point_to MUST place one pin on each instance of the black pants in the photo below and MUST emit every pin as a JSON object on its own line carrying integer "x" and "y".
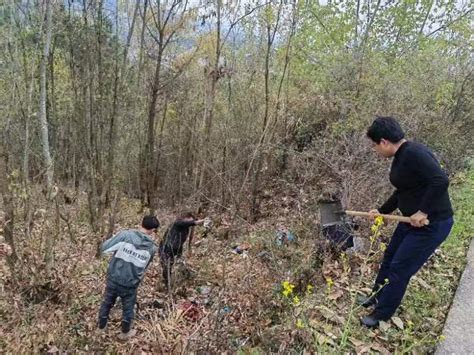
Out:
{"x": 406, "y": 253}
{"x": 128, "y": 295}
{"x": 167, "y": 262}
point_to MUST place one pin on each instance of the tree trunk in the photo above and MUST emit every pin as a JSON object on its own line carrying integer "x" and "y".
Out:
{"x": 50, "y": 239}
{"x": 150, "y": 145}
{"x": 254, "y": 206}
{"x": 210, "y": 95}
{"x": 142, "y": 155}
{"x": 8, "y": 206}
{"x": 160, "y": 143}
{"x": 43, "y": 98}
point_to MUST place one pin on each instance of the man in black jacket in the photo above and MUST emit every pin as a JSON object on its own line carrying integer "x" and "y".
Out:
{"x": 172, "y": 244}
{"x": 421, "y": 192}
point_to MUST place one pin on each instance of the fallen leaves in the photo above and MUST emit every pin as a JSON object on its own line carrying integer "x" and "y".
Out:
{"x": 380, "y": 349}
{"x": 384, "y": 326}
{"x": 234, "y": 299}
{"x": 335, "y": 295}
{"x": 52, "y": 349}
{"x": 398, "y": 322}
{"x": 356, "y": 342}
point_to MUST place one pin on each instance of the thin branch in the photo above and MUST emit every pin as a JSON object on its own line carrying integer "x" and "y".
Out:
{"x": 233, "y": 24}
{"x": 323, "y": 25}
{"x": 449, "y": 23}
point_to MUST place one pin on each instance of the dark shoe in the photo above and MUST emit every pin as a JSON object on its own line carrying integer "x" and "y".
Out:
{"x": 365, "y": 301}
{"x": 102, "y": 323}
{"x": 370, "y": 321}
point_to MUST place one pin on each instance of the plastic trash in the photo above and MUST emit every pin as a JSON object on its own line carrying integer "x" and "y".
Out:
{"x": 290, "y": 236}
{"x": 241, "y": 249}
{"x": 207, "y": 223}
{"x": 204, "y": 290}
{"x": 237, "y": 250}
{"x": 284, "y": 236}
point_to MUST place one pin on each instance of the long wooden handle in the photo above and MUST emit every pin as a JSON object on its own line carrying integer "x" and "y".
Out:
{"x": 385, "y": 216}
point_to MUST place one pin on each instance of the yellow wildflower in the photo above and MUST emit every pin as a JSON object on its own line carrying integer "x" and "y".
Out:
{"x": 378, "y": 221}
{"x": 299, "y": 324}
{"x": 296, "y": 301}
{"x": 287, "y": 288}
{"x": 309, "y": 289}
{"x": 377, "y": 225}
{"x": 329, "y": 283}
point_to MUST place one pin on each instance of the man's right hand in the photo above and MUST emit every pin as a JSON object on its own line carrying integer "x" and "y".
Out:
{"x": 374, "y": 213}
{"x": 199, "y": 221}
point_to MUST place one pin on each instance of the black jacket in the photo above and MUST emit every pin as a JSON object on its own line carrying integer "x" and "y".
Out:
{"x": 175, "y": 237}
{"x": 421, "y": 184}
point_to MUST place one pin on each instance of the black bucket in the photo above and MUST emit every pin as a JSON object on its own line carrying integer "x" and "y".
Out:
{"x": 335, "y": 226}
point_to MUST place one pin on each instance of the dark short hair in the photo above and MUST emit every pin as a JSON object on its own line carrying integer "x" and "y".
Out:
{"x": 150, "y": 222}
{"x": 385, "y": 128}
{"x": 186, "y": 214}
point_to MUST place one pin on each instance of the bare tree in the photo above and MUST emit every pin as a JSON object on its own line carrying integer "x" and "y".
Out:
{"x": 7, "y": 197}
{"x": 167, "y": 21}
{"x": 271, "y": 30}
{"x": 48, "y": 161}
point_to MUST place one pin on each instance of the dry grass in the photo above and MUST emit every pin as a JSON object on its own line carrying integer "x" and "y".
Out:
{"x": 238, "y": 300}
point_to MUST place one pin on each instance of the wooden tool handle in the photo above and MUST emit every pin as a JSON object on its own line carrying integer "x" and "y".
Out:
{"x": 385, "y": 216}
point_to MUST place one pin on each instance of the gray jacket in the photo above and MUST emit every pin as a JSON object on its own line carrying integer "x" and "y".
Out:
{"x": 133, "y": 251}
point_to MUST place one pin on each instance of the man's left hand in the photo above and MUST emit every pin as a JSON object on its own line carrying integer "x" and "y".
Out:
{"x": 418, "y": 219}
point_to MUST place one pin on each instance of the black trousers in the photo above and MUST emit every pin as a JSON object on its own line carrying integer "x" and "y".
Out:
{"x": 167, "y": 261}
{"x": 406, "y": 253}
